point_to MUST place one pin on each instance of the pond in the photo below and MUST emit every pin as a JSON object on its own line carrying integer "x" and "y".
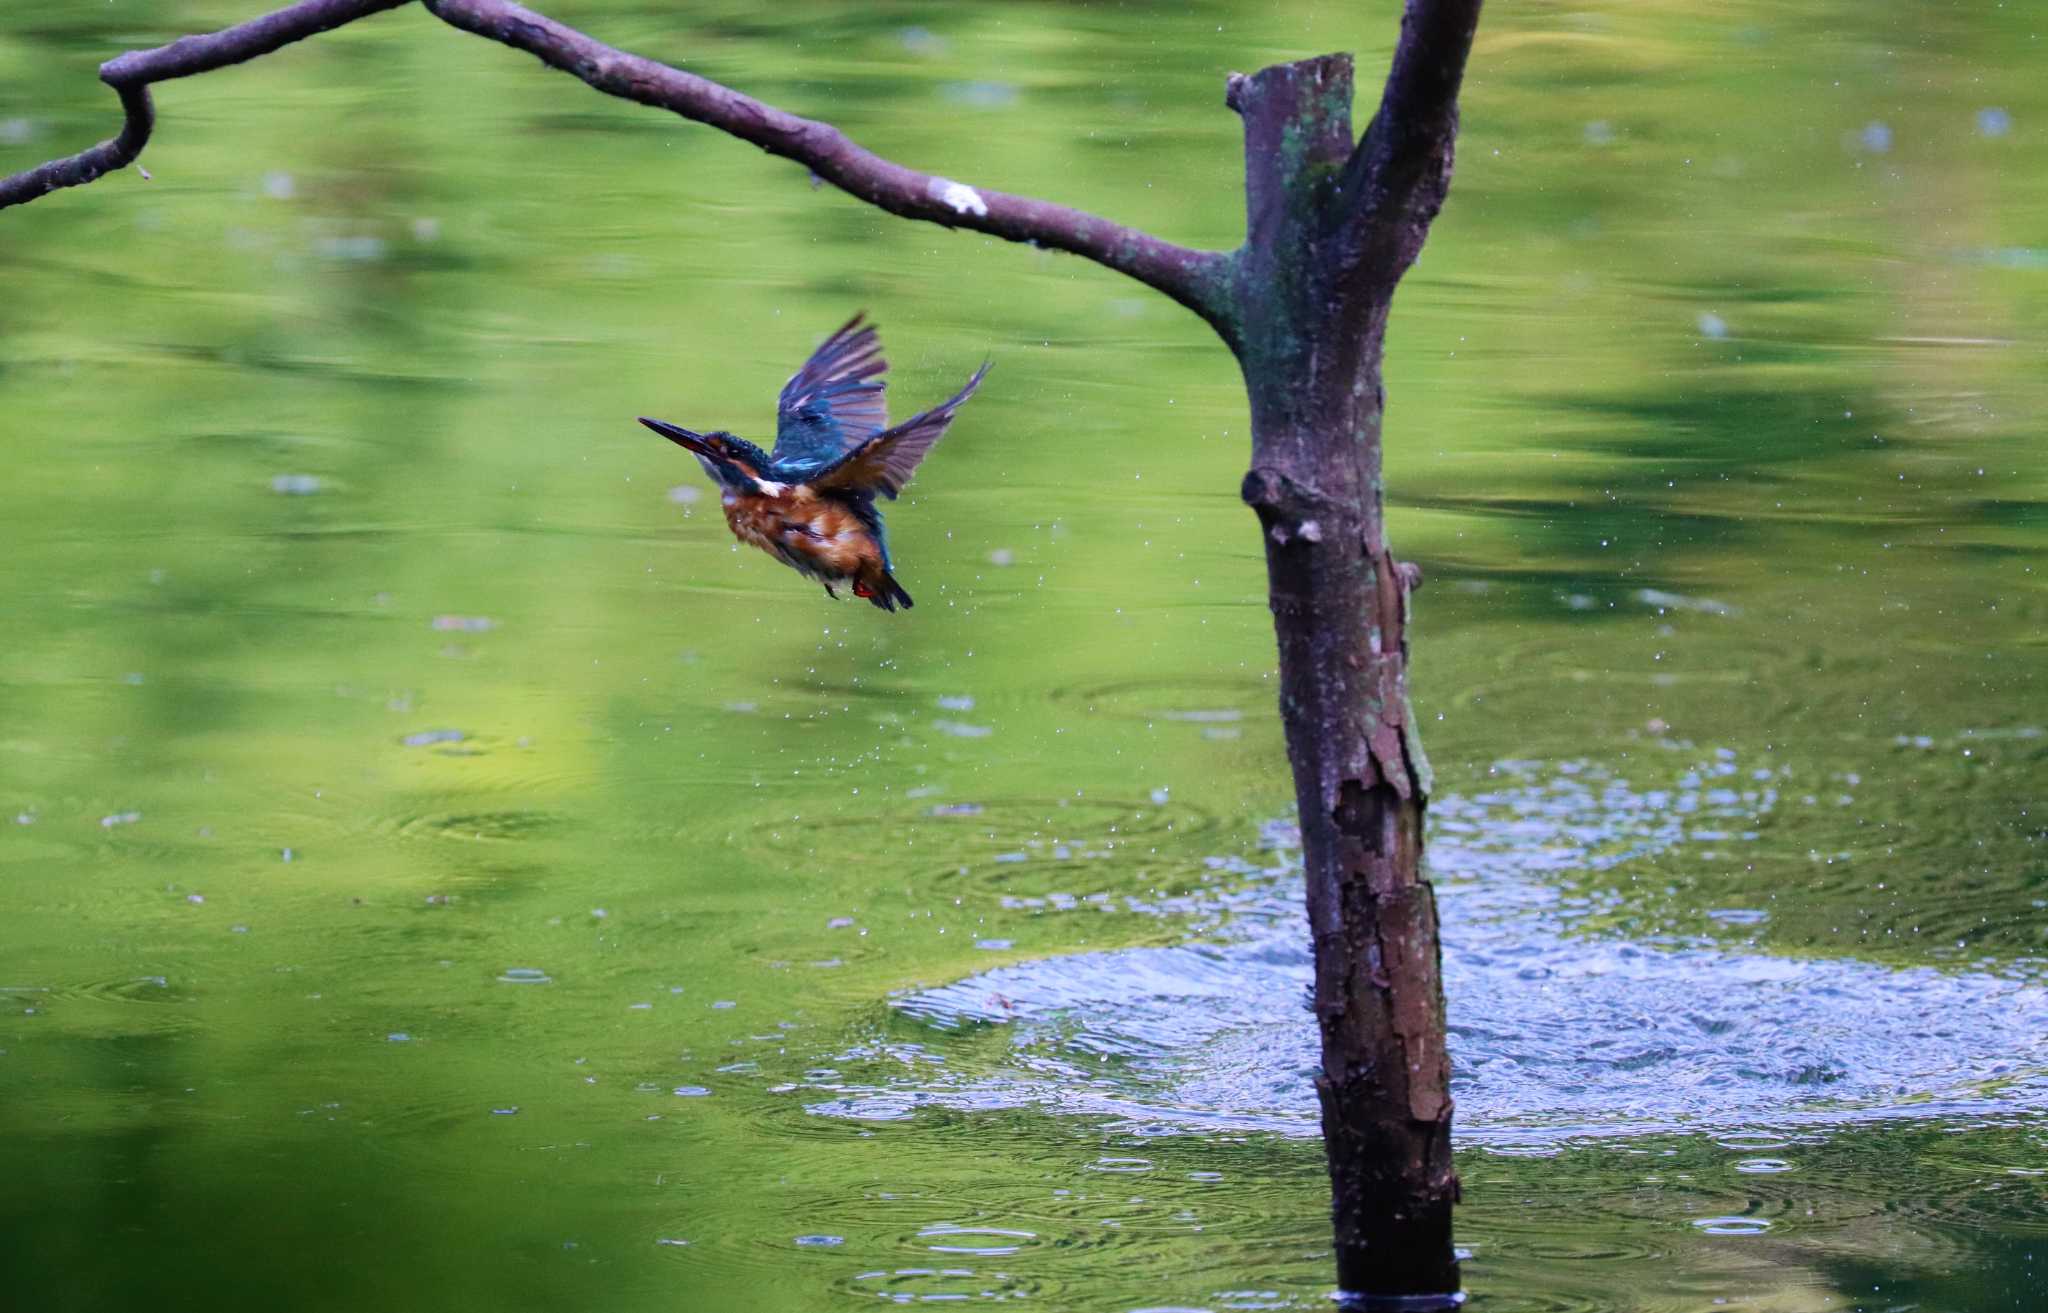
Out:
{"x": 438, "y": 869}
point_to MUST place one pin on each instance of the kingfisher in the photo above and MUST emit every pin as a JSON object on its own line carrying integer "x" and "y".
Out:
{"x": 811, "y": 502}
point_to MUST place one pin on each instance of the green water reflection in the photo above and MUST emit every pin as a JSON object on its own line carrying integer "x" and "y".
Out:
{"x": 363, "y": 656}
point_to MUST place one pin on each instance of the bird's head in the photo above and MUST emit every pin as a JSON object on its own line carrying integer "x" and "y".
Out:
{"x": 733, "y": 463}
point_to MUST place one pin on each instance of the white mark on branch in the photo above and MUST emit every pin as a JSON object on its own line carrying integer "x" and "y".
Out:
{"x": 958, "y": 196}
{"x": 1312, "y": 531}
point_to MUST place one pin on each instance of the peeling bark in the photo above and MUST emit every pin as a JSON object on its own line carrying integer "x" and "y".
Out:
{"x": 1312, "y": 297}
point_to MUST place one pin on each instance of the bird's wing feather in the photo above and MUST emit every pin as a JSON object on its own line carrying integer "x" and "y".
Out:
{"x": 835, "y": 401}
{"x": 885, "y": 462}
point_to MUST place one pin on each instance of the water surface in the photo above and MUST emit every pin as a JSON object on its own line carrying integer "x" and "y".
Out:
{"x": 438, "y": 870}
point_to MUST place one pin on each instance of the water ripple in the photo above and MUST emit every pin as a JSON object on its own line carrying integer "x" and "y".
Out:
{"x": 1555, "y": 1036}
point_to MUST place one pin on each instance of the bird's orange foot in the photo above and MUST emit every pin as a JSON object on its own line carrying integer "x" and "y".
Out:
{"x": 862, "y": 590}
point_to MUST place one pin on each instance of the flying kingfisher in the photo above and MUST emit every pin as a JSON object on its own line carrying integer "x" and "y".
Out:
{"x": 811, "y": 504}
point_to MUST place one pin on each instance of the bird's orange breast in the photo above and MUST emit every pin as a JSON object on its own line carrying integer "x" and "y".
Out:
{"x": 797, "y": 522}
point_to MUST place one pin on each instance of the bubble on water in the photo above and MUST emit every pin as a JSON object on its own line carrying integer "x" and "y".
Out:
{"x": 1599, "y": 133}
{"x": 820, "y": 1241}
{"x": 685, "y": 494}
{"x": 993, "y": 945}
{"x": 428, "y": 737}
{"x": 1211, "y": 716}
{"x": 1762, "y": 1166}
{"x": 295, "y": 485}
{"x": 358, "y": 248}
{"x": 981, "y": 94}
{"x": 671, "y": 1240}
{"x": 956, "y": 702}
{"x": 464, "y": 624}
{"x": 1002, "y": 556}
{"x": 1993, "y": 122}
{"x": 279, "y": 185}
{"x": 525, "y": 976}
{"x": 109, "y": 821}
{"x": 922, "y": 41}
{"x": 17, "y": 131}
{"x": 1121, "y": 1166}
{"x": 1732, "y": 1225}
{"x": 981, "y": 1241}
{"x": 1712, "y": 325}
{"x": 426, "y": 228}
{"x": 1667, "y": 601}
{"x": 398, "y": 1037}
{"x": 962, "y": 731}
{"x": 839, "y": 923}
{"x": 1876, "y": 137}
{"x": 510, "y": 1111}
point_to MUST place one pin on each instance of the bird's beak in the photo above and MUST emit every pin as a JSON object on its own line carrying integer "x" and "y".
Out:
{"x": 682, "y": 437}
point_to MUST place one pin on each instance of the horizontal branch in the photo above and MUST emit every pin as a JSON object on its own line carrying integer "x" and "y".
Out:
{"x": 1193, "y": 278}
{"x": 130, "y": 75}
{"x": 1196, "y": 279}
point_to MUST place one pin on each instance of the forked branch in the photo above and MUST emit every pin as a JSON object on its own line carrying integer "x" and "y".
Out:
{"x": 1196, "y": 279}
{"x": 1397, "y": 178}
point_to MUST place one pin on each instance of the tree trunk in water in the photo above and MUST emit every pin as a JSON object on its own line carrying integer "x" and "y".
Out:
{"x": 1307, "y": 331}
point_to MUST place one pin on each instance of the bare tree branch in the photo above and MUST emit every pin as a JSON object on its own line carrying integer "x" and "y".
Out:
{"x": 1196, "y": 279}
{"x": 1396, "y": 181}
{"x": 1193, "y": 278}
{"x": 130, "y": 75}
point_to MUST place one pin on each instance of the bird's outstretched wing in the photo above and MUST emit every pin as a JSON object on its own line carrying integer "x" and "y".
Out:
{"x": 834, "y": 402}
{"x": 885, "y": 462}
